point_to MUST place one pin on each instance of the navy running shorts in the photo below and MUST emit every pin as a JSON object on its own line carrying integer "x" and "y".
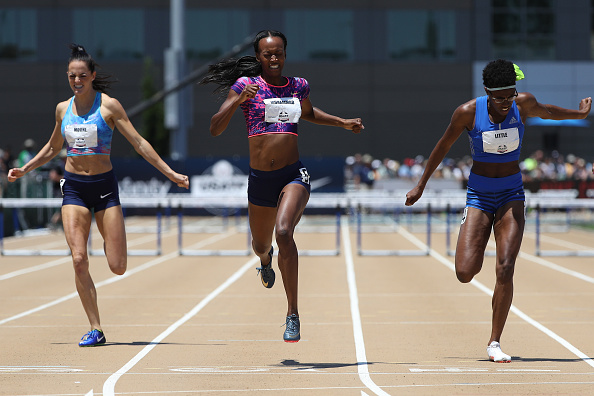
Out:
{"x": 264, "y": 187}
{"x": 491, "y": 193}
{"x": 97, "y": 192}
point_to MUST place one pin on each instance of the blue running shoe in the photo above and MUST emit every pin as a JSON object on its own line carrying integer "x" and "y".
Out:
{"x": 292, "y": 331}
{"x": 92, "y": 338}
{"x": 266, "y": 272}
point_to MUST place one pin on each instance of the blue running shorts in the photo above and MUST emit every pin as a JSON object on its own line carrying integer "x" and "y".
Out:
{"x": 264, "y": 187}
{"x": 491, "y": 193}
{"x": 97, "y": 192}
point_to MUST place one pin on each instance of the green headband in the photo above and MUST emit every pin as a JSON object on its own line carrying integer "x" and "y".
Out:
{"x": 519, "y": 76}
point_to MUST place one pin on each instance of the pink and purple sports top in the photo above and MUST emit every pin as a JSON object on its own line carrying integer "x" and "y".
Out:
{"x": 273, "y": 109}
{"x": 88, "y": 134}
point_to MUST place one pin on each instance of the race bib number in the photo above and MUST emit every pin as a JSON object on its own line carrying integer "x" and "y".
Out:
{"x": 81, "y": 135}
{"x": 501, "y": 141}
{"x": 285, "y": 110}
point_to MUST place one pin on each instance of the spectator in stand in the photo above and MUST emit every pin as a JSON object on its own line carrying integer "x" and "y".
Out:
{"x": 27, "y": 153}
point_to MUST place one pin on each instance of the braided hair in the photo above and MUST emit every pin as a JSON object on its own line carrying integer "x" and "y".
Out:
{"x": 225, "y": 72}
{"x": 102, "y": 82}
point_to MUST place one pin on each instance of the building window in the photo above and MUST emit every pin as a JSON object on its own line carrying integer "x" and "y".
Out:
{"x": 18, "y": 34}
{"x": 210, "y": 33}
{"x": 328, "y": 36}
{"x": 421, "y": 35}
{"x": 112, "y": 34}
{"x": 523, "y": 29}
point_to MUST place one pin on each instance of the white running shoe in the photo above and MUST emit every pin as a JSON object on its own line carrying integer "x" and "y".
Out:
{"x": 496, "y": 355}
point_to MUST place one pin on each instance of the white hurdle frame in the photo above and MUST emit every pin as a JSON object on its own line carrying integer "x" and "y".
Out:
{"x": 383, "y": 201}
{"x": 567, "y": 205}
{"x": 322, "y": 200}
{"x": 56, "y": 203}
{"x": 15, "y": 203}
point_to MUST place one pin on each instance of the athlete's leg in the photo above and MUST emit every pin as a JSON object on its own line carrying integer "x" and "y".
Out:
{"x": 77, "y": 224}
{"x": 261, "y": 220}
{"x": 110, "y": 223}
{"x": 472, "y": 241}
{"x": 508, "y": 228}
{"x": 291, "y": 204}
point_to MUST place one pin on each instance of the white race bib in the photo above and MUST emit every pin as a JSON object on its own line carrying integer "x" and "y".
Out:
{"x": 286, "y": 110}
{"x": 81, "y": 135}
{"x": 501, "y": 141}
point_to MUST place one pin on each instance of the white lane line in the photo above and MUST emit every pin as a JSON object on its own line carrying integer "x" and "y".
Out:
{"x": 513, "y": 308}
{"x": 109, "y": 385}
{"x": 114, "y": 279}
{"x": 36, "y": 268}
{"x": 68, "y": 259}
{"x": 553, "y": 266}
{"x": 362, "y": 366}
{"x": 556, "y": 267}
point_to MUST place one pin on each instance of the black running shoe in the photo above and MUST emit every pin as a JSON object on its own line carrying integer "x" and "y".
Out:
{"x": 292, "y": 331}
{"x": 266, "y": 272}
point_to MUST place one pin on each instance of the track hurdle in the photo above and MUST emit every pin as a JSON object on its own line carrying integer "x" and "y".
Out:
{"x": 558, "y": 253}
{"x": 137, "y": 252}
{"x": 16, "y": 203}
{"x": 212, "y": 202}
{"x": 400, "y": 252}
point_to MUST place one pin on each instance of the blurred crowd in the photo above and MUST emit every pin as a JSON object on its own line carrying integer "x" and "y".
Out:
{"x": 362, "y": 170}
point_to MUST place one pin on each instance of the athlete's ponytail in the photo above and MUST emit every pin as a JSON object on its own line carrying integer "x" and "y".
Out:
{"x": 225, "y": 72}
{"x": 102, "y": 82}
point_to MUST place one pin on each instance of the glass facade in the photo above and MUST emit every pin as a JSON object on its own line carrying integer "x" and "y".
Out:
{"x": 110, "y": 34}
{"x": 421, "y": 35}
{"x": 18, "y": 34}
{"x": 210, "y": 33}
{"x": 523, "y": 29}
{"x": 328, "y": 36}
{"x": 516, "y": 29}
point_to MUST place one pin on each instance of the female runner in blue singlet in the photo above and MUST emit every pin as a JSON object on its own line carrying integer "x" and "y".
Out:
{"x": 495, "y": 196}
{"x": 278, "y": 183}
{"x": 86, "y": 122}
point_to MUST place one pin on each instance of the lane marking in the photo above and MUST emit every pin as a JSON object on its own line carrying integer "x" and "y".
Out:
{"x": 362, "y": 366}
{"x": 513, "y": 308}
{"x": 68, "y": 259}
{"x": 551, "y": 265}
{"x": 109, "y": 385}
{"x": 114, "y": 279}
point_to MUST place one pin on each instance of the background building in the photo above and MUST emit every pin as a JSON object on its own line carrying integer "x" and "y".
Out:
{"x": 402, "y": 66}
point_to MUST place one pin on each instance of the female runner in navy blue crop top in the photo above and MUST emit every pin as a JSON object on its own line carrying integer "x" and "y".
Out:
{"x": 278, "y": 184}
{"x": 89, "y": 118}
{"x": 495, "y": 197}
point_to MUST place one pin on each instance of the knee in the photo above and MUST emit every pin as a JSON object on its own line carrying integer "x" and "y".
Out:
{"x": 284, "y": 234}
{"x": 80, "y": 262}
{"x": 119, "y": 266}
{"x": 259, "y": 248}
{"x": 505, "y": 271}
{"x": 464, "y": 276}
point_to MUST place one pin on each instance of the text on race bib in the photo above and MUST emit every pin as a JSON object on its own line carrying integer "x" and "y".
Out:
{"x": 286, "y": 110}
{"x": 81, "y": 135}
{"x": 501, "y": 141}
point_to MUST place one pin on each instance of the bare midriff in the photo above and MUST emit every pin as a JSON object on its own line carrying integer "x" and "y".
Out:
{"x": 273, "y": 151}
{"x": 88, "y": 164}
{"x": 492, "y": 169}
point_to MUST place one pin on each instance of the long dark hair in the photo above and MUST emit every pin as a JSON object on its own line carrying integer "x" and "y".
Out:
{"x": 102, "y": 82}
{"x": 225, "y": 72}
